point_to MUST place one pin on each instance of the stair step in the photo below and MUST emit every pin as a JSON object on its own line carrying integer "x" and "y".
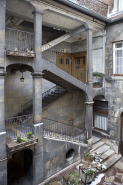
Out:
{"x": 95, "y": 139}
{"x": 102, "y": 149}
{"x": 112, "y": 160}
{"x": 107, "y": 154}
{"x": 97, "y": 145}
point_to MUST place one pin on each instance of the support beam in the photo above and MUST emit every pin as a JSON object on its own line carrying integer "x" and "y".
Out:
{"x": 18, "y": 22}
{"x": 37, "y": 97}
{"x": 89, "y": 55}
{"x": 89, "y": 119}
{"x": 38, "y": 39}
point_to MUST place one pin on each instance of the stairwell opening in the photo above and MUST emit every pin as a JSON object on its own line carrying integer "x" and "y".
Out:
{"x": 70, "y": 154}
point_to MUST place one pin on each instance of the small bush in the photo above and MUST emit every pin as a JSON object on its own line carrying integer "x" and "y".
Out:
{"x": 29, "y": 135}
{"x": 19, "y": 139}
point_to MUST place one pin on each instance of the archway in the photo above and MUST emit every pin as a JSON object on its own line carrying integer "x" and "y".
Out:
{"x": 121, "y": 134}
{"x": 20, "y": 168}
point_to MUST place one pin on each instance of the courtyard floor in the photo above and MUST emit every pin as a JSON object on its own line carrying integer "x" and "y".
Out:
{"x": 114, "y": 176}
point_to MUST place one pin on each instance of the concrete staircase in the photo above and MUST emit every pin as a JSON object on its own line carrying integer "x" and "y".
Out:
{"x": 48, "y": 97}
{"x": 108, "y": 156}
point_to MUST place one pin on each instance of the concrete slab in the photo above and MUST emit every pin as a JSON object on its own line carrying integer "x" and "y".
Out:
{"x": 107, "y": 154}
{"x": 97, "y": 145}
{"x": 102, "y": 149}
{"x": 95, "y": 139}
{"x": 112, "y": 160}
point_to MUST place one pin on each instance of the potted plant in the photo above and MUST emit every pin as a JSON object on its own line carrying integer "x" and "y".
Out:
{"x": 97, "y": 79}
{"x": 89, "y": 157}
{"x": 88, "y": 175}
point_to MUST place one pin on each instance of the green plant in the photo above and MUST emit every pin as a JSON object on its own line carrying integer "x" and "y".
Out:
{"x": 19, "y": 139}
{"x": 25, "y": 139}
{"x": 100, "y": 75}
{"x": 90, "y": 172}
{"x": 96, "y": 83}
{"x": 89, "y": 155}
{"x": 76, "y": 178}
{"x": 29, "y": 135}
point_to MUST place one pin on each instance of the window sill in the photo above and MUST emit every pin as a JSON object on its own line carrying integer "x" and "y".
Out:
{"x": 100, "y": 133}
{"x": 116, "y": 13}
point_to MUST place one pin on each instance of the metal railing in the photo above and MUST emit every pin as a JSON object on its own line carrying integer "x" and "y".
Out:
{"x": 18, "y": 126}
{"x": 28, "y": 107}
{"x": 19, "y": 41}
{"x": 63, "y": 62}
{"x": 57, "y": 130}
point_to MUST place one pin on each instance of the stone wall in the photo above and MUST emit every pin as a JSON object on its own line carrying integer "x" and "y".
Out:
{"x": 113, "y": 85}
{"x": 18, "y": 93}
{"x": 55, "y": 155}
{"x": 70, "y": 106}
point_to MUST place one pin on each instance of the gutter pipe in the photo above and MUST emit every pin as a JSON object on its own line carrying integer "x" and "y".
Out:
{"x": 87, "y": 11}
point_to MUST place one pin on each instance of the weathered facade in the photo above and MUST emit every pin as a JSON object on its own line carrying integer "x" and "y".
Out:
{"x": 49, "y": 52}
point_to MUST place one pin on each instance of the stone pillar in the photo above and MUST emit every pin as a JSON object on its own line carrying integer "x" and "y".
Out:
{"x": 38, "y": 39}
{"x": 3, "y": 151}
{"x": 38, "y": 162}
{"x": 89, "y": 55}
{"x": 37, "y": 97}
{"x": 89, "y": 119}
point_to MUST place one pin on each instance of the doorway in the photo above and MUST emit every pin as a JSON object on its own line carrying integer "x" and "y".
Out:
{"x": 20, "y": 168}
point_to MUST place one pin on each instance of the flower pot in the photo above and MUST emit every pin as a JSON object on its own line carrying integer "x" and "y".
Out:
{"x": 85, "y": 178}
{"x": 89, "y": 159}
{"x": 97, "y": 79}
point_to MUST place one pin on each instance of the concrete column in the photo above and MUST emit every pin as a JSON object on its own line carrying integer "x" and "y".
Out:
{"x": 89, "y": 55}
{"x": 38, "y": 39}
{"x": 3, "y": 151}
{"x": 37, "y": 97}
{"x": 89, "y": 119}
{"x": 2, "y": 30}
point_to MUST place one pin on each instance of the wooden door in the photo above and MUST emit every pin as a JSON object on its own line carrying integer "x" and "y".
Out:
{"x": 121, "y": 135}
{"x": 79, "y": 66}
{"x": 64, "y": 62}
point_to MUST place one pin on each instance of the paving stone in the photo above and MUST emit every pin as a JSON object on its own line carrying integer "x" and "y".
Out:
{"x": 109, "y": 179}
{"x": 119, "y": 165}
{"x": 111, "y": 172}
{"x": 117, "y": 180}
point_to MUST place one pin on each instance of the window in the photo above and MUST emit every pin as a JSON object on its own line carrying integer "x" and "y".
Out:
{"x": 101, "y": 115}
{"x": 118, "y": 57}
{"x": 67, "y": 61}
{"x": 61, "y": 61}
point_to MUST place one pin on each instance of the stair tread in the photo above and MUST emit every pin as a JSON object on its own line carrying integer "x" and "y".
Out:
{"x": 97, "y": 145}
{"x": 102, "y": 149}
{"x": 95, "y": 139}
{"x": 107, "y": 154}
{"x": 112, "y": 160}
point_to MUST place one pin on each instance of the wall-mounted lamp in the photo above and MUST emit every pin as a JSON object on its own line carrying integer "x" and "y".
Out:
{"x": 22, "y": 78}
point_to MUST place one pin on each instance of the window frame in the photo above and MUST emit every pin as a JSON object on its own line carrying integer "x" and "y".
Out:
{"x": 114, "y": 61}
{"x": 99, "y": 110}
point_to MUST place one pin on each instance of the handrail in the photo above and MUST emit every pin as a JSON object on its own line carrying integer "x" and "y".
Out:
{"x": 57, "y": 130}
{"x": 18, "y": 126}
{"x": 19, "y": 41}
{"x": 51, "y": 54}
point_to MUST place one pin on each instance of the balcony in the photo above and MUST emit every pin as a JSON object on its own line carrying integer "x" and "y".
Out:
{"x": 19, "y": 126}
{"x": 19, "y": 43}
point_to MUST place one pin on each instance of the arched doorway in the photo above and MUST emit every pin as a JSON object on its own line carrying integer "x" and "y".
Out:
{"x": 121, "y": 135}
{"x": 20, "y": 168}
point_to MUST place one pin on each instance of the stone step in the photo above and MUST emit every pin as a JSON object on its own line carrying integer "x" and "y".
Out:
{"x": 102, "y": 149}
{"x": 107, "y": 154}
{"x": 95, "y": 139}
{"x": 112, "y": 160}
{"x": 97, "y": 145}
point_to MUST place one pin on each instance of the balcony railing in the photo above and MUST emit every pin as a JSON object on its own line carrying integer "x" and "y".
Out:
{"x": 18, "y": 126}
{"x": 62, "y": 131}
{"x": 19, "y": 41}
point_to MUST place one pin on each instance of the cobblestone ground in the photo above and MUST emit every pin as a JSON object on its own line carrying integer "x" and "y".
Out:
{"x": 114, "y": 176}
